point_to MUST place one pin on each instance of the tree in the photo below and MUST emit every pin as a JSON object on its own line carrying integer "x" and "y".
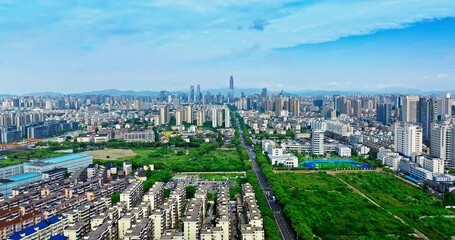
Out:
{"x": 190, "y": 192}
{"x": 115, "y": 198}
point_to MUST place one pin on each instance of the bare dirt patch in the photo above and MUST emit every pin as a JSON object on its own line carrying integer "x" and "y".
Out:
{"x": 112, "y": 154}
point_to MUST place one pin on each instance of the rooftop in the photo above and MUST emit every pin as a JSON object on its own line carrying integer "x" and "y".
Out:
{"x": 65, "y": 158}
{"x": 24, "y": 176}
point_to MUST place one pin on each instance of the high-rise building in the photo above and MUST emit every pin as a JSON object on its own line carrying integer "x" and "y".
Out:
{"x": 200, "y": 118}
{"x": 445, "y": 105}
{"x": 198, "y": 94}
{"x": 219, "y": 117}
{"x": 264, "y": 93}
{"x": 317, "y": 142}
{"x": 425, "y": 116}
{"x": 191, "y": 97}
{"x": 215, "y": 118}
{"x": 189, "y": 114}
{"x": 296, "y": 107}
{"x": 357, "y": 108}
{"x": 383, "y": 113}
{"x": 137, "y": 104}
{"x": 164, "y": 115}
{"x": 408, "y": 138}
{"x": 347, "y": 108}
{"x": 279, "y": 102}
{"x": 442, "y": 144}
{"x": 231, "y": 87}
{"x": 227, "y": 118}
{"x": 409, "y": 109}
{"x": 178, "y": 117}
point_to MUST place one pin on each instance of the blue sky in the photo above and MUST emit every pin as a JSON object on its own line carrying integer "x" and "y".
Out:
{"x": 82, "y": 45}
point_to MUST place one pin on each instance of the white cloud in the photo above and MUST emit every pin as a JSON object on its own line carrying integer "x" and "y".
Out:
{"x": 442, "y": 76}
{"x": 333, "y": 83}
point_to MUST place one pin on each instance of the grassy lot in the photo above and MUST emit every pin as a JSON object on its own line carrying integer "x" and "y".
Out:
{"x": 16, "y": 158}
{"x": 112, "y": 154}
{"x": 187, "y": 160}
{"x": 406, "y": 201}
{"x": 8, "y": 162}
{"x": 320, "y": 204}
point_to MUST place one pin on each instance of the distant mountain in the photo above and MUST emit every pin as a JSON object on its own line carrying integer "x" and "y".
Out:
{"x": 116, "y": 92}
{"x": 48, "y": 94}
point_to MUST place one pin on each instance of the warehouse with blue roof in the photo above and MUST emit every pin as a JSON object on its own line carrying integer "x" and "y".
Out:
{"x": 32, "y": 171}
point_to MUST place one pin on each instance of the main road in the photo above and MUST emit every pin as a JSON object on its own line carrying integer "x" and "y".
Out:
{"x": 284, "y": 227}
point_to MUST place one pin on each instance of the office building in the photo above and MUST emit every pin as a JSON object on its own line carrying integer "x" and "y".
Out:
{"x": 383, "y": 113}
{"x": 425, "y": 116}
{"x": 409, "y": 109}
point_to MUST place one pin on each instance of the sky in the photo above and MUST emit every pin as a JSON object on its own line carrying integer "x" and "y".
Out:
{"x": 73, "y": 46}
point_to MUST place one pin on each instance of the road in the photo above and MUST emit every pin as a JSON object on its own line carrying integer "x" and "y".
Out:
{"x": 286, "y": 231}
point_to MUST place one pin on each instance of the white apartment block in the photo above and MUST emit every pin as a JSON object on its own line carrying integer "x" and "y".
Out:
{"x": 317, "y": 142}
{"x": 343, "y": 151}
{"x": 408, "y": 139}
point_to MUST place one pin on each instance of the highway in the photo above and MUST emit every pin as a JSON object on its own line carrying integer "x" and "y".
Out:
{"x": 284, "y": 227}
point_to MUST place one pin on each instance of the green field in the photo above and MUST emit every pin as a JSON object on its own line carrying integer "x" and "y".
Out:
{"x": 201, "y": 159}
{"x": 16, "y": 158}
{"x": 320, "y": 204}
{"x": 8, "y": 162}
{"x": 406, "y": 201}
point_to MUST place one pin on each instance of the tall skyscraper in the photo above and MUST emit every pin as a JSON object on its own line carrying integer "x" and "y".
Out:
{"x": 191, "y": 97}
{"x": 425, "y": 116}
{"x": 409, "y": 111}
{"x": 383, "y": 113}
{"x": 198, "y": 94}
{"x": 231, "y": 87}
{"x": 408, "y": 138}
{"x": 264, "y": 93}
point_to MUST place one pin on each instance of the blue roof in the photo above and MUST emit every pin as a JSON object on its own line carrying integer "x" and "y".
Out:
{"x": 65, "y": 158}
{"x": 53, "y": 219}
{"x": 58, "y": 237}
{"x": 24, "y": 176}
{"x": 31, "y": 229}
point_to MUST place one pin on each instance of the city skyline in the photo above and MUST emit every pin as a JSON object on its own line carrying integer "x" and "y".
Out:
{"x": 155, "y": 45}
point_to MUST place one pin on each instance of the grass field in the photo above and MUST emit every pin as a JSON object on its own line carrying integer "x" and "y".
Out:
{"x": 112, "y": 154}
{"x": 406, "y": 201}
{"x": 186, "y": 160}
{"x": 8, "y": 162}
{"x": 322, "y": 204}
{"x": 19, "y": 157}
